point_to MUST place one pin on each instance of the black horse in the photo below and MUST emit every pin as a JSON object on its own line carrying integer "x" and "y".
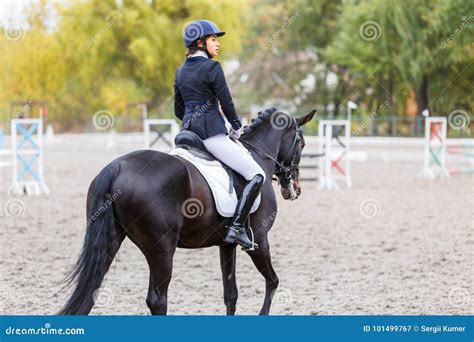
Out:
{"x": 161, "y": 202}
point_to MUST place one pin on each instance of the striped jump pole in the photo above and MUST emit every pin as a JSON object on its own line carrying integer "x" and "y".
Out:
{"x": 462, "y": 150}
{"x": 461, "y": 171}
{"x": 309, "y": 167}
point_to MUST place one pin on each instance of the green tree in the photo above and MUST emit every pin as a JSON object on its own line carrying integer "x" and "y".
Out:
{"x": 104, "y": 54}
{"x": 396, "y": 46}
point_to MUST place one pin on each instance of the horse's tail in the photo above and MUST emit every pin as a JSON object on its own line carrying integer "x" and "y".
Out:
{"x": 100, "y": 245}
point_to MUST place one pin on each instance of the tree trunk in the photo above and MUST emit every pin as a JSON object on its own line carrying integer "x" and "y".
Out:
{"x": 325, "y": 92}
{"x": 391, "y": 86}
{"x": 422, "y": 95}
{"x": 340, "y": 91}
{"x": 379, "y": 100}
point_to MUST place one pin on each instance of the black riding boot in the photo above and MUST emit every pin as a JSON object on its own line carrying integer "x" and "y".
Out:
{"x": 236, "y": 230}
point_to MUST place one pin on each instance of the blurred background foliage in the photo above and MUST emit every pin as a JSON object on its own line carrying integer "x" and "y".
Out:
{"x": 391, "y": 57}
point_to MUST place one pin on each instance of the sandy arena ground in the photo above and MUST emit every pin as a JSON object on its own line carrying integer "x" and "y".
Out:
{"x": 391, "y": 245}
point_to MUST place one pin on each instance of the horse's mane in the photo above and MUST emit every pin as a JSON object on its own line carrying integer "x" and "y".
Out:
{"x": 262, "y": 117}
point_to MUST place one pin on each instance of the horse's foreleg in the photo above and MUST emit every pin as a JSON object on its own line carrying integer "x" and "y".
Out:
{"x": 227, "y": 254}
{"x": 161, "y": 264}
{"x": 263, "y": 261}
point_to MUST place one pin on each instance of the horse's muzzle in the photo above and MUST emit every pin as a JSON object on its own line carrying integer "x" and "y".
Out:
{"x": 289, "y": 193}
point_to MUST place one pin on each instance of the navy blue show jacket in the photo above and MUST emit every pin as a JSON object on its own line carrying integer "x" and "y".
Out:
{"x": 199, "y": 88}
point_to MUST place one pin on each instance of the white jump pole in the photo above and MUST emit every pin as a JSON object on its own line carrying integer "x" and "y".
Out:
{"x": 332, "y": 158}
{"x": 350, "y": 106}
{"x": 4, "y": 152}
{"x": 144, "y": 108}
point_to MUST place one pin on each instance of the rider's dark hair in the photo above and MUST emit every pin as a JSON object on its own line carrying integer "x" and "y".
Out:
{"x": 191, "y": 50}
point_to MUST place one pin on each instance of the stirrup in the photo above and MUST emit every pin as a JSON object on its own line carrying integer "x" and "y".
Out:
{"x": 252, "y": 239}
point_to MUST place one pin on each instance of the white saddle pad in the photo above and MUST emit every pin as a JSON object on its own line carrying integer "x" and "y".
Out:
{"x": 218, "y": 180}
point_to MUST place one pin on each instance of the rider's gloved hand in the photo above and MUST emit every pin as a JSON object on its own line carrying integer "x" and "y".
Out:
{"x": 235, "y": 133}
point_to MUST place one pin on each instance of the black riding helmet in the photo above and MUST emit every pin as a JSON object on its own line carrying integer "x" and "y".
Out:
{"x": 200, "y": 29}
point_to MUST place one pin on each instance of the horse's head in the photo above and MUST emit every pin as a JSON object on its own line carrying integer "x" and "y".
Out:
{"x": 276, "y": 136}
{"x": 289, "y": 155}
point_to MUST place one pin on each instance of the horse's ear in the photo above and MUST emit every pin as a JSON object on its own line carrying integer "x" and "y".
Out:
{"x": 305, "y": 118}
{"x": 271, "y": 110}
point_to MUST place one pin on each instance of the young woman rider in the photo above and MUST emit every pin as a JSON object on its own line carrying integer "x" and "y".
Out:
{"x": 199, "y": 88}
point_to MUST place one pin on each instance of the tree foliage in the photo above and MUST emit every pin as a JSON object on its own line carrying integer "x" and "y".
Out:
{"x": 105, "y": 54}
{"x": 298, "y": 54}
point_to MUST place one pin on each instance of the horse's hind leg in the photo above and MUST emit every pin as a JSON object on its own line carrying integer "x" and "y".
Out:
{"x": 161, "y": 265}
{"x": 227, "y": 254}
{"x": 263, "y": 261}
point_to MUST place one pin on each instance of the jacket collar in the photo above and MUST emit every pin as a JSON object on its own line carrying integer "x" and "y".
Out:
{"x": 198, "y": 56}
{"x": 192, "y": 60}
{"x": 199, "y": 53}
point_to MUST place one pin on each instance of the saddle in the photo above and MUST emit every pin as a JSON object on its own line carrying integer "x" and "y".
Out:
{"x": 196, "y": 153}
{"x": 191, "y": 142}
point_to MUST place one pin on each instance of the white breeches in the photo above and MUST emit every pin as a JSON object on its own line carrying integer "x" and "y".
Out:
{"x": 233, "y": 155}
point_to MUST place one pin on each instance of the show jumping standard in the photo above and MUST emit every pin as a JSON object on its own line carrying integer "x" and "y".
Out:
{"x": 437, "y": 146}
{"x": 141, "y": 195}
{"x": 26, "y": 157}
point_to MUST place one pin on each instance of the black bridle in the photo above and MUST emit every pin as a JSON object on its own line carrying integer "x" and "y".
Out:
{"x": 286, "y": 165}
